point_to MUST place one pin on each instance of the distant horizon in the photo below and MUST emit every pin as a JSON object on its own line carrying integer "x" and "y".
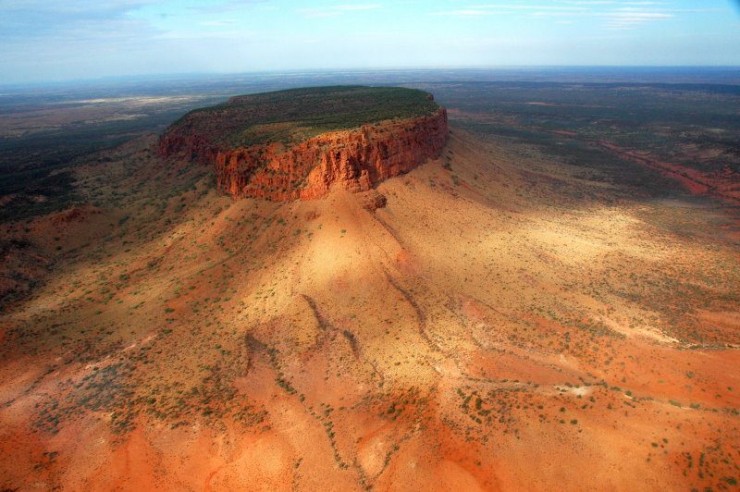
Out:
{"x": 79, "y": 40}
{"x": 490, "y": 70}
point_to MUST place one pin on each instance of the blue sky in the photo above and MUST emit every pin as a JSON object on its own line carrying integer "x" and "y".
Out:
{"x": 71, "y": 39}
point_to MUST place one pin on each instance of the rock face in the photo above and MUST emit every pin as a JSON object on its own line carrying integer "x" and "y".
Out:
{"x": 354, "y": 159}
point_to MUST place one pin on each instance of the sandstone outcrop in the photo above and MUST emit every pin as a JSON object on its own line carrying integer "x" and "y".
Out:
{"x": 355, "y": 159}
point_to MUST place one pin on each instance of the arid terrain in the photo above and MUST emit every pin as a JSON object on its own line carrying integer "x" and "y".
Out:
{"x": 535, "y": 309}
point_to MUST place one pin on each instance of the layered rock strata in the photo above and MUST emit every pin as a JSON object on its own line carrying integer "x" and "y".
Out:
{"x": 355, "y": 159}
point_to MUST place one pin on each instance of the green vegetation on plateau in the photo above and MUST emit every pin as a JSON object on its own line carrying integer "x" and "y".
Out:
{"x": 297, "y": 114}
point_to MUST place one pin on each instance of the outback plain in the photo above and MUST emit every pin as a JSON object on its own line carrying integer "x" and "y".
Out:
{"x": 551, "y": 303}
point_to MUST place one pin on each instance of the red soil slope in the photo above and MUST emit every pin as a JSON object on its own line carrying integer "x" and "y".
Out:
{"x": 499, "y": 324}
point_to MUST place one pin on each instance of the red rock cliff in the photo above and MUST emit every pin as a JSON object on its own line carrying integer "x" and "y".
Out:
{"x": 354, "y": 159}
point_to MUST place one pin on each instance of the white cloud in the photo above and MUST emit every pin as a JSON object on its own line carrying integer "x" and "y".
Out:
{"x": 337, "y": 10}
{"x": 218, "y": 23}
{"x": 614, "y": 15}
{"x": 352, "y": 7}
{"x": 630, "y": 19}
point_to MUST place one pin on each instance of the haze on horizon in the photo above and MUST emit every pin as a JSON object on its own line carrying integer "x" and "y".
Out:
{"x": 76, "y": 39}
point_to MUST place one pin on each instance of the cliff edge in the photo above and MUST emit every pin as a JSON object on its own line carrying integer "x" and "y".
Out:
{"x": 300, "y": 143}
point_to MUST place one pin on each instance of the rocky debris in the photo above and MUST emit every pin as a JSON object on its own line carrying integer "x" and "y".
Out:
{"x": 374, "y": 200}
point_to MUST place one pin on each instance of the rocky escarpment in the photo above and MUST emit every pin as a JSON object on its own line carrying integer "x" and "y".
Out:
{"x": 354, "y": 159}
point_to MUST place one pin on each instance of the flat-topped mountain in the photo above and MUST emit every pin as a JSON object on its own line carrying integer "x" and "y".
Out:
{"x": 299, "y": 143}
